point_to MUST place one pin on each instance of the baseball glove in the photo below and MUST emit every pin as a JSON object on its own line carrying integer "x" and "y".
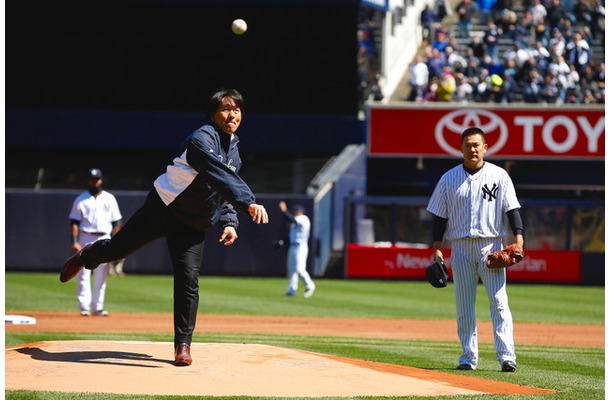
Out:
{"x": 504, "y": 258}
{"x": 437, "y": 274}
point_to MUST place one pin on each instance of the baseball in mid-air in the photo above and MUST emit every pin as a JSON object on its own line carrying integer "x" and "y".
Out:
{"x": 239, "y": 26}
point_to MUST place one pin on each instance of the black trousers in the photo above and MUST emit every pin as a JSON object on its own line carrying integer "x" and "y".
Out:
{"x": 153, "y": 221}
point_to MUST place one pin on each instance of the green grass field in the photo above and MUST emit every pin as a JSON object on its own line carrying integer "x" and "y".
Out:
{"x": 578, "y": 372}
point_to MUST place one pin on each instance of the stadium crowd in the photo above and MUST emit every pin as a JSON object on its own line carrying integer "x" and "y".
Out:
{"x": 543, "y": 55}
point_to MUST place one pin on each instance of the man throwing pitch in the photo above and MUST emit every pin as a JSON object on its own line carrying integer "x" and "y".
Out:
{"x": 469, "y": 203}
{"x": 200, "y": 187}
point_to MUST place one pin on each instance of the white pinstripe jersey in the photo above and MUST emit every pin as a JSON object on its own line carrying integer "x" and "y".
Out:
{"x": 474, "y": 204}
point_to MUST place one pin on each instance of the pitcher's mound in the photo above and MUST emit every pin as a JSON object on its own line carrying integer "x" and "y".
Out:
{"x": 224, "y": 370}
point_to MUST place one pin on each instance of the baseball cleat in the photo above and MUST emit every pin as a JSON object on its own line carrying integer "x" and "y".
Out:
{"x": 308, "y": 293}
{"x": 183, "y": 355}
{"x": 465, "y": 367}
{"x": 102, "y": 313}
{"x": 84, "y": 313}
{"x": 73, "y": 266}
{"x": 509, "y": 366}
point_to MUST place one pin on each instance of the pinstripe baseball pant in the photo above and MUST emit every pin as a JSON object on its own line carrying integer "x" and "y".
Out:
{"x": 468, "y": 262}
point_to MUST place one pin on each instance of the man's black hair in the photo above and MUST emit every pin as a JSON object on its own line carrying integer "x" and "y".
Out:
{"x": 221, "y": 94}
{"x": 473, "y": 131}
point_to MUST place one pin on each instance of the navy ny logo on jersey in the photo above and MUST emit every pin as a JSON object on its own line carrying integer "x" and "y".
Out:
{"x": 490, "y": 194}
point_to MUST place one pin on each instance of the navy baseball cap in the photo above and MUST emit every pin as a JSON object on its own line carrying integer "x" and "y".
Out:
{"x": 95, "y": 173}
{"x": 298, "y": 207}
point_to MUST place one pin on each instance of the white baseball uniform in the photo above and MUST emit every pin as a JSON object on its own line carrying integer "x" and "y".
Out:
{"x": 297, "y": 254}
{"x": 96, "y": 215}
{"x": 474, "y": 206}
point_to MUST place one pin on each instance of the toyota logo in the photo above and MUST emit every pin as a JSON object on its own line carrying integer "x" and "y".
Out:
{"x": 457, "y": 121}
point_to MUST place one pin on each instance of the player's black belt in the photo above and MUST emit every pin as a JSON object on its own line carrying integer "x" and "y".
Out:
{"x": 95, "y": 233}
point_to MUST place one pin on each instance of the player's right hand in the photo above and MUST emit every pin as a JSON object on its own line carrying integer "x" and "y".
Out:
{"x": 76, "y": 247}
{"x": 258, "y": 213}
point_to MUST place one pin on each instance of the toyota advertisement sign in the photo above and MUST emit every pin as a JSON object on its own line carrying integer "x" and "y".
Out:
{"x": 536, "y": 133}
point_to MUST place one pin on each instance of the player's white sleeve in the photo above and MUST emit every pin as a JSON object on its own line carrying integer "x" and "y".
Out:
{"x": 76, "y": 213}
{"x": 438, "y": 203}
{"x": 510, "y": 201}
{"x": 115, "y": 211}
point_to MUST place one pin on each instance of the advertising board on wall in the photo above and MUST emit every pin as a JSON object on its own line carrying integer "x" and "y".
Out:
{"x": 536, "y": 133}
{"x": 396, "y": 262}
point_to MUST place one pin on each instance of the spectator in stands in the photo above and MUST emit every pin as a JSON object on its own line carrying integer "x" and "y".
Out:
{"x": 436, "y": 63}
{"x": 482, "y": 90}
{"x": 454, "y": 60}
{"x": 550, "y": 90}
{"x": 463, "y": 90}
{"x": 363, "y": 67}
{"x": 455, "y": 45}
{"x": 573, "y": 96}
{"x": 573, "y": 77}
{"x": 419, "y": 79}
{"x": 485, "y": 7}
{"x": 446, "y": 86}
{"x": 583, "y": 12}
{"x": 432, "y": 90}
{"x": 503, "y": 5}
{"x": 509, "y": 87}
{"x": 542, "y": 55}
{"x": 510, "y": 68}
{"x": 560, "y": 69}
{"x": 477, "y": 46}
{"x": 376, "y": 91}
{"x": 440, "y": 42}
{"x": 578, "y": 52}
{"x": 541, "y": 32}
{"x": 426, "y": 19}
{"x": 491, "y": 39}
{"x": 497, "y": 93}
{"x": 364, "y": 40}
{"x": 600, "y": 74}
{"x": 598, "y": 26}
{"x": 555, "y": 14}
{"x": 466, "y": 11}
{"x": 493, "y": 65}
{"x": 557, "y": 43}
{"x": 473, "y": 69}
{"x": 440, "y": 10}
{"x": 538, "y": 11}
{"x": 518, "y": 55}
{"x": 533, "y": 87}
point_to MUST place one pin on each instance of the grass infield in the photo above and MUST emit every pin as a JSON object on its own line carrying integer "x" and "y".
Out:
{"x": 578, "y": 372}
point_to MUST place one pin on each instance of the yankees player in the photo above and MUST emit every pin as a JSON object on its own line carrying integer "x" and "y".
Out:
{"x": 200, "y": 187}
{"x": 95, "y": 215}
{"x": 298, "y": 250}
{"x": 468, "y": 204}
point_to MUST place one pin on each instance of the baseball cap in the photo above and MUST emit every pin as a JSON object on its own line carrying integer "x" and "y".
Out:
{"x": 298, "y": 207}
{"x": 95, "y": 173}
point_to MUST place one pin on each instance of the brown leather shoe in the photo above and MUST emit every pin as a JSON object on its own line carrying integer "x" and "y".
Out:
{"x": 183, "y": 355}
{"x": 73, "y": 266}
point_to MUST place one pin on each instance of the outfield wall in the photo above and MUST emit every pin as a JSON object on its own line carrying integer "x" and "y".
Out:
{"x": 37, "y": 232}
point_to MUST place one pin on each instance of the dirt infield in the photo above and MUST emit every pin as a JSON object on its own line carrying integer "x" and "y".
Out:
{"x": 524, "y": 333}
{"x": 248, "y": 369}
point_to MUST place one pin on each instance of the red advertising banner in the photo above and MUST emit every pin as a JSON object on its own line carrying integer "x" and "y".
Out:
{"x": 566, "y": 133}
{"x": 410, "y": 263}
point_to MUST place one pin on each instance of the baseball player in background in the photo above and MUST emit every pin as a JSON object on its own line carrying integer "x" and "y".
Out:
{"x": 95, "y": 215}
{"x": 298, "y": 249}
{"x": 469, "y": 203}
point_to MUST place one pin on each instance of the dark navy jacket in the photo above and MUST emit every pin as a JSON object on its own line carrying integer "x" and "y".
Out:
{"x": 201, "y": 185}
